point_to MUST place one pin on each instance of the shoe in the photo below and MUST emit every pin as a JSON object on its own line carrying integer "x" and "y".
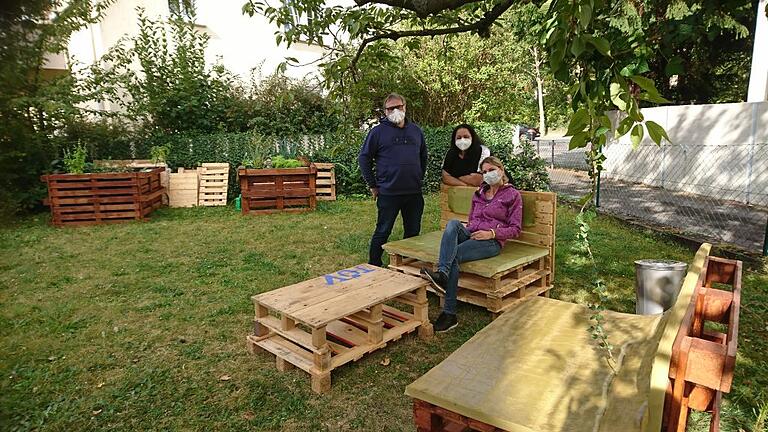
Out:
{"x": 445, "y": 322}
{"x": 439, "y": 279}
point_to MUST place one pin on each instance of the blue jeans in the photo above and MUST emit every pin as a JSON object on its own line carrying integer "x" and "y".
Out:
{"x": 411, "y": 206}
{"x": 457, "y": 247}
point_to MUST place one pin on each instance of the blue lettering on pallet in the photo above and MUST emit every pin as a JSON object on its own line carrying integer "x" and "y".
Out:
{"x": 347, "y": 274}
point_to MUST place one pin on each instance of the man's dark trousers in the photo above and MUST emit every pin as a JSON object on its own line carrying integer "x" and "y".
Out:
{"x": 410, "y": 206}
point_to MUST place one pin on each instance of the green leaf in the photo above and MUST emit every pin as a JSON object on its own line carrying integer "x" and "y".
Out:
{"x": 655, "y": 98}
{"x": 579, "y": 140}
{"x": 602, "y": 130}
{"x": 656, "y": 132}
{"x": 644, "y": 83}
{"x": 616, "y": 96}
{"x": 624, "y": 126}
{"x": 674, "y": 66}
{"x": 605, "y": 121}
{"x": 636, "y": 135}
{"x": 585, "y": 15}
{"x": 577, "y": 46}
{"x": 578, "y": 122}
{"x": 601, "y": 44}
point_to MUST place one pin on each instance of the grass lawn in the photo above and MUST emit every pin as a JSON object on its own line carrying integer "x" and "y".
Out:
{"x": 132, "y": 326}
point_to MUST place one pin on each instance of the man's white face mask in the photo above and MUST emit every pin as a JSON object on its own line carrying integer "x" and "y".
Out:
{"x": 463, "y": 143}
{"x": 396, "y": 116}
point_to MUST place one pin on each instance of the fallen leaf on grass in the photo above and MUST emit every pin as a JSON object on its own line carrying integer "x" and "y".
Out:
{"x": 100, "y": 385}
{"x": 225, "y": 378}
{"x": 385, "y": 362}
{"x": 97, "y": 412}
{"x": 249, "y": 415}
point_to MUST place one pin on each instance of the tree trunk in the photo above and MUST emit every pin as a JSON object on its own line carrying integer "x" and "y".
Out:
{"x": 539, "y": 91}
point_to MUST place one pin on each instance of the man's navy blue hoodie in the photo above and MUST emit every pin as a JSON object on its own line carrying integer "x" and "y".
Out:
{"x": 400, "y": 156}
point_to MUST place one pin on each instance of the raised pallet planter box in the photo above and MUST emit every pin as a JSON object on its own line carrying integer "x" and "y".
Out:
{"x": 97, "y": 198}
{"x": 326, "y": 181}
{"x": 214, "y": 180}
{"x": 278, "y": 190}
{"x": 326, "y": 322}
{"x": 123, "y": 164}
{"x": 183, "y": 188}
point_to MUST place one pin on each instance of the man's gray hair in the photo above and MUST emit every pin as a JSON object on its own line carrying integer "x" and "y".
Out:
{"x": 393, "y": 96}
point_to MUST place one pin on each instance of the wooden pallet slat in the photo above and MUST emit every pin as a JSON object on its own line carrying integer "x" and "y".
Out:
{"x": 326, "y": 181}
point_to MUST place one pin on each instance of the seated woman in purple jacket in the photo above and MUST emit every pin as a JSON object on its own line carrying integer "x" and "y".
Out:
{"x": 495, "y": 217}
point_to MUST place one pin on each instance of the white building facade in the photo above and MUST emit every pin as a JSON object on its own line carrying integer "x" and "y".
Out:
{"x": 241, "y": 43}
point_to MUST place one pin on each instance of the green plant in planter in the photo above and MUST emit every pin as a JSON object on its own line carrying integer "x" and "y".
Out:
{"x": 74, "y": 159}
{"x": 282, "y": 162}
{"x": 258, "y": 152}
{"x": 159, "y": 154}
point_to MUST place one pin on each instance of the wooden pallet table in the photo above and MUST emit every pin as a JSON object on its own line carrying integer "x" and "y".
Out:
{"x": 326, "y": 322}
{"x": 326, "y": 182}
{"x": 214, "y": 181}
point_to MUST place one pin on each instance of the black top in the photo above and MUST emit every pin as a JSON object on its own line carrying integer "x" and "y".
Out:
{"x": 456, "y": 166}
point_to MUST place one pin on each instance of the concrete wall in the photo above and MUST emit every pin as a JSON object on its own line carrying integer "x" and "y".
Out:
{"x": 718, "y": 150}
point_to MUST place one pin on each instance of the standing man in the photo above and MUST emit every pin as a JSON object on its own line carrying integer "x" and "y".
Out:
{"x": 397, "y": 149}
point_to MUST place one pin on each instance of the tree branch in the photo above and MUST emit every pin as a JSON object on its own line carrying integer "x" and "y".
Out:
{"x": 481, "y": 26}
{"x": 422, "y": 8}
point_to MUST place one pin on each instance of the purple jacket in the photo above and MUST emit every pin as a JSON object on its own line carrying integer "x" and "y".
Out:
{"x": 503, "y": 213}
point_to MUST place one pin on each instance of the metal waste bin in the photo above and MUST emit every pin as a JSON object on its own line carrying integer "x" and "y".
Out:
{"x": 657, "y": 283}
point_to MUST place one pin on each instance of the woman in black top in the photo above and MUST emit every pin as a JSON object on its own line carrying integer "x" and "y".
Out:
{"x": 461, "y": 164}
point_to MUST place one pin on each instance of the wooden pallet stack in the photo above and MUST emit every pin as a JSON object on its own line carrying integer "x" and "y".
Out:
{"x": 97, "y": 198}
{"x": 183, "y": 188}
{"x": 214, "y": 180}
{"x": 326, "y": 182}
{"x": 278, "y": 189}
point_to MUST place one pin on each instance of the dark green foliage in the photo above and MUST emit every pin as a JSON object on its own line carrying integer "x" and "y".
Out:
{"x": 525, "y": 169}
{"x": 35, "y": 104}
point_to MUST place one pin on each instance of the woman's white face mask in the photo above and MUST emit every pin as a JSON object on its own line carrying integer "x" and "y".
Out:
{"x": 463, "y": 143}
{"x": 492, "y": 177}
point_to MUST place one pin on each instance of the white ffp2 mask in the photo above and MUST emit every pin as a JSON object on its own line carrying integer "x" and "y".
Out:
{"x": 463, "y": 143}
{"x": 492, "y": 177}
{"x": 396, "y": 116}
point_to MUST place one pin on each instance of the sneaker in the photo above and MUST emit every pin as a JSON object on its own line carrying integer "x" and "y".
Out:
{"x": 439, "y": 279}
{"x": 445, "y": 322}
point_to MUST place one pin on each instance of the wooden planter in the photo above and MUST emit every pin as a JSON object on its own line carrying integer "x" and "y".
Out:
{"x": 278, "y": 189}
{"x": 89, "y": 199}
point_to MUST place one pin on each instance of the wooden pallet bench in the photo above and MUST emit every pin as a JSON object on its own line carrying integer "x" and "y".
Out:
{"x": 214, "y": 181}
{"x": 525, "y": 267}
{"x": 535, "y": 368}
{"x": 98, "y": 198}
{"x": 277, "y": 190}
{"x": 326, "y": 181}
{"x": 323, "y": 323}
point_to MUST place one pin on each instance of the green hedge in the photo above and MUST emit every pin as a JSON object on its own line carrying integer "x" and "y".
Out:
{"x": 525, "y": 170}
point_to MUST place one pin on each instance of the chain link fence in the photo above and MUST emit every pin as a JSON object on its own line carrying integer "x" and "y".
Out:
{"x": 717, "y": 193}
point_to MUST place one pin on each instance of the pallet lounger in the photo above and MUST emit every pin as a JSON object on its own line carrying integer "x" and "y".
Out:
{"x": 536, "y": 369}
{"x": 524, "y": 268}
